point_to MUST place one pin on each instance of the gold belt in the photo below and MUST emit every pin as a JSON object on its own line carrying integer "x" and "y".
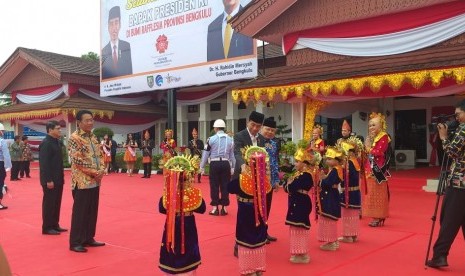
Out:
{"x": 186, "y": 214}
{"x": 246, "y": 200}
{"x": 351, "y": 189}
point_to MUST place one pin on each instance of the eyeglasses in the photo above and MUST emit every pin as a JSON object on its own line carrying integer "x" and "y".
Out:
{"x": 458, "y": 113}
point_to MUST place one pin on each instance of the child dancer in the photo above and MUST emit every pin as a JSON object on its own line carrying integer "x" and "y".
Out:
{"x": 179, "y": 251}
{"x": 329, "y": 209}
{"x": 299, "y": 205}
{"x": 350, "y": 196}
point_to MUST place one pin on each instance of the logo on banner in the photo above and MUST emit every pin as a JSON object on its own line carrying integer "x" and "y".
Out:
{"x": 150, "y": 81}
{"x": 171, "y": 79}
{"x": 162, "y": 44}
{"x": 159, "y": 80}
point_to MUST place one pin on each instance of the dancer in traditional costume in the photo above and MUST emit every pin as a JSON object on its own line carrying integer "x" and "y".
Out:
{"x": 375, "y": 203}
{"x": 130, "y": 155}
{"x": 350, "y": 196}
{"x": 106, "y": 148}
{"x": 179, "y": 250}
{"x": 251, "y": 189}
{"x": 299, "y": 204}
{"x": 168, "y": 145}
{"x": 329, "y": 209}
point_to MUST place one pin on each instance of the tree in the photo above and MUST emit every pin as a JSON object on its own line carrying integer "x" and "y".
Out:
{"x": 101, "y": 131}
{"x": 91, "y": 56}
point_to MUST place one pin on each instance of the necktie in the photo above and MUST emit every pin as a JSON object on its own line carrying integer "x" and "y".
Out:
{"x": 227, "y": 37}
{"x": 254, "y": 140}
{"x": 115, "y": 56}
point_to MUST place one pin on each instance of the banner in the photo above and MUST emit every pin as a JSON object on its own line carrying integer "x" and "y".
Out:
{"x": 162, "y": 44}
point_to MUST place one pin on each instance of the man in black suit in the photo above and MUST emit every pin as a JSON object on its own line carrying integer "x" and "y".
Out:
{"x": 247, "y": 137}
{"x": 116, "y": 55}
{"x": 222, "y": 41}
{"x": 51, "y": 178}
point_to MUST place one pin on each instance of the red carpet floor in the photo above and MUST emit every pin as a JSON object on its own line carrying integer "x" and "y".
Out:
{"x": 131, "y": 226}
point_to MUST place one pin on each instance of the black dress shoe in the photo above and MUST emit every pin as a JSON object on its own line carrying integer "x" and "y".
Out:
{"x": 94, "y": 244}
{"x": 214, "y": 213}
{"x": 50, "y": 232}
{"x": 223, "y": 212}
{"x": 59, "y": 229}
{"x": 79, "y": 249}
{"x": 143, "y": 176}
{"x": 270, "y": 238}
{"x": 437, "y": 262}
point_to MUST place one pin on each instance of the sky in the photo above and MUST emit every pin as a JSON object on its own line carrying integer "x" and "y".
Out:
{"x": 66, "y": 27}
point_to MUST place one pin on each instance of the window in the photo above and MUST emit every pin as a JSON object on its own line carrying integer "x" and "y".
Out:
{"x": 193, "y": 108}
{"x": 215, "y": 107}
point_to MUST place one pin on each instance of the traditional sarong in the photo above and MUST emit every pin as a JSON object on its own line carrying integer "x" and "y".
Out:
{"x": 375, "y": 204}
{"x": 350, "y": 222}
{"x": 251, "y": 259}
{"x": 299, "y": 238}
{"x": 327, "y": 229}
{"x": 129, "y": 156}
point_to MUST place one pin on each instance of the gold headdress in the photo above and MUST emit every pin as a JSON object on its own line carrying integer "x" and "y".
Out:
{"x": 249, "y": 150}
{"x": 313, "y": 157}
{"x": 319, "y": 127}
{"x": 333, "y": 152}
{"x": 351, "y": 143}
{"x": 168, "y": 130}
{"x": 382, "y": 120}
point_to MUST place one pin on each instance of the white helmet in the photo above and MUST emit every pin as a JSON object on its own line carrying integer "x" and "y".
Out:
{"x": 219, "y": 123}
{"x": 2, "y": 127}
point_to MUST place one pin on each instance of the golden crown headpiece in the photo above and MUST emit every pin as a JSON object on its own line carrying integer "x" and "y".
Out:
{"x": 333, "y": 152}
{"x": 319, "y": 127}
{"x": 351, "y": 143}
{"x": 248, "y": 151}
{"x": 311, "y": 156}
{"x": 180, "y": 163}
{"x": 382, "y": 119}
{"x": 168, "y": 130}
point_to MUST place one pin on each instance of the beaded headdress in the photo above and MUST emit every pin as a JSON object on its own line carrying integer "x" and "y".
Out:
{"x": 319, "y": 127}
{"x": 382, "y": 119}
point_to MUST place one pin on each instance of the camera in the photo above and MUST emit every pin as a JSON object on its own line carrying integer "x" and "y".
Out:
{"x": 448, "y": 120}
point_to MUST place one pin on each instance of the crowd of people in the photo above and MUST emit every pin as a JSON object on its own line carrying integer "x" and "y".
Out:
{"x": 350, "y": 183}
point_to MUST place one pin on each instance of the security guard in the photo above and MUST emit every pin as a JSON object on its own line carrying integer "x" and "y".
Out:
{"x": 220, "y": 149}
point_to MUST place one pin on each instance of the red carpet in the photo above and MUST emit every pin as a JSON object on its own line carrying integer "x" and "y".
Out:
{"x": 130, "y": 225}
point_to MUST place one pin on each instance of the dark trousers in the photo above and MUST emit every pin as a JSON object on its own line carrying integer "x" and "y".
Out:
{"x": 147, "y": 169}
{"x": 51, "y": 205}
{"x": 84, "y": 217}
{"x": 452, "y": 218}
{"x": 114, "y": 167}
{"x": 269, "y": 199}
{"x": 25, "y": 168}
{"x": 2, "y": 178}
{"x": 15, "y": 165}
{"x": 220, "y": 175}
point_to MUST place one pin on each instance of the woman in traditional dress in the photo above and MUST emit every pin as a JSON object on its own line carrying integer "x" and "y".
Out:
{"x": 300, "y": 205}
{"x": 168, "y": 145}
{"x": 317, "y": 143}
{"x": 106, "y": 147}
{"x": 130, "y": 155}
{"x": 350, "y": 196}
{"x": 375, "y": 203}
{"x": 179, "y": 250}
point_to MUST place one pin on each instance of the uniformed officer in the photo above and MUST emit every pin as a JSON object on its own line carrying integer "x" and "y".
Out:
{"x": 220, "y": 149}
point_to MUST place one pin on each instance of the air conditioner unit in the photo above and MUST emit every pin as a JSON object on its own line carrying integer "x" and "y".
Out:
{"x": 405, "y": 157}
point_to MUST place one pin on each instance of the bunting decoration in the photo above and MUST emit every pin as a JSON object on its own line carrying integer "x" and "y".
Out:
{"x": 340, "y": 86}
{"x": 52, "y": 112}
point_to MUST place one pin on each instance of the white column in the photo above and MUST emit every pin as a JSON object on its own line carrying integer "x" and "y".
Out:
{"x": 232, "y": 114}
{"x": 182, "y": 135}
{"x": 204, "y": 121}
{"x": 298, "y": 121}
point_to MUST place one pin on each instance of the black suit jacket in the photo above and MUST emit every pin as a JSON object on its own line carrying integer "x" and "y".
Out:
{"x": 241, "y": 45}
{"x": 124, "y": 64}
{"x": 241, "y": 140}
{"x": 51, "y": 161}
